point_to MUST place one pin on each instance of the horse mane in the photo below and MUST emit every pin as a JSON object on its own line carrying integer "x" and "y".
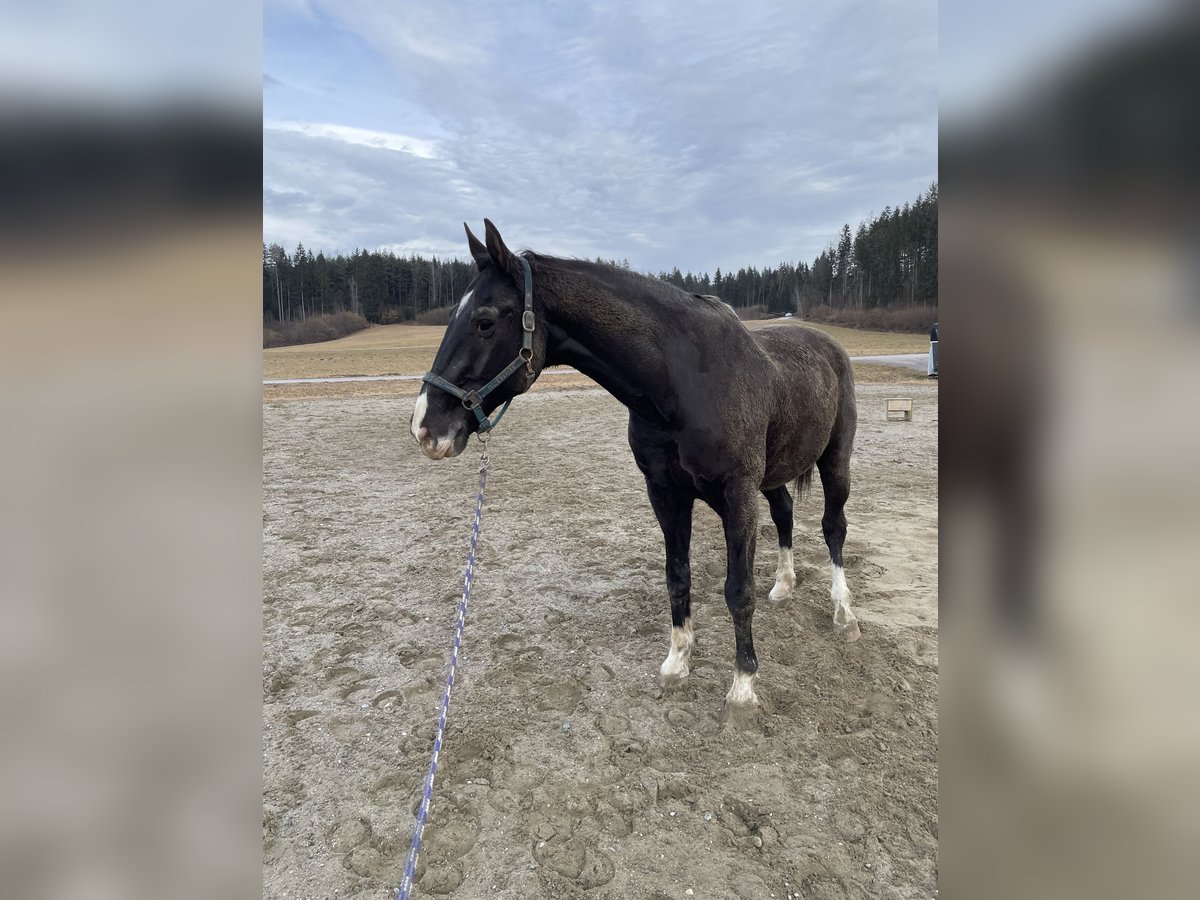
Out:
{"x": 627, "y": 282}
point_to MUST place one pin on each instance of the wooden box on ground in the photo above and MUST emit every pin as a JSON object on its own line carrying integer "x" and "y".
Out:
{"x": 899, "y": 409}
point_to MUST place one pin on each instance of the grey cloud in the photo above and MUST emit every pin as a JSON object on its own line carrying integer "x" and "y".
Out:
{"x": 729, "y": 136}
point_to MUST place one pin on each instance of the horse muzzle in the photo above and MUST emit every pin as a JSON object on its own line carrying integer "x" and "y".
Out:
{"x": 443, "y": 446}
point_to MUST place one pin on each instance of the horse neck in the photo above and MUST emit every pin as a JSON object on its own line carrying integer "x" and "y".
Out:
{"x": 611, "y": 335}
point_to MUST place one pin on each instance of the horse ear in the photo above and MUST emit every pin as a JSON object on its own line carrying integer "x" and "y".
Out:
{"x": 500, "y": 254}
{"x": 478, "y": 251}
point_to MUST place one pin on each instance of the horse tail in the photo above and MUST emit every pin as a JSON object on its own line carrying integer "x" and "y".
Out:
{"x": 803, "y": 483}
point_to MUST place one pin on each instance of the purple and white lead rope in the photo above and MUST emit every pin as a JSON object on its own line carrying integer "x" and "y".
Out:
{"x": 410, "y": 867}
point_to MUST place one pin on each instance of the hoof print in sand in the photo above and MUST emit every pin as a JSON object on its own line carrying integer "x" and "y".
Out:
{"x": 440, "y": 878}
{"x": 679, "y": 717}
{"x": 581, "y": 861}
{"x": 296, "y": 716}
{"x": 387, "y": 700}
{"x": 610, "y": 725}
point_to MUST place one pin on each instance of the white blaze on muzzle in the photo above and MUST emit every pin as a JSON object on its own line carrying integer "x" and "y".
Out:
{"x": 433, "y": 447}
{"x": 419, "y": 410}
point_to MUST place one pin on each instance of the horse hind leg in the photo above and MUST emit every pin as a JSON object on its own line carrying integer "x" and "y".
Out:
{"x": 835, "y": 480}
{"x": 780, "y": 501}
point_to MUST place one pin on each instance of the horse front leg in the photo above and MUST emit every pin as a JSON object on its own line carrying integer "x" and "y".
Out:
{"x": 739, "y": 514}
{"x": 673, "y": 509}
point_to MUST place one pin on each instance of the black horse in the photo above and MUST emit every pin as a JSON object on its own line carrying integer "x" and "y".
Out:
{"x": 716, "y": 412}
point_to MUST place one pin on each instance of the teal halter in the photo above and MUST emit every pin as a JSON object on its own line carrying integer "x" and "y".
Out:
{"x": 473, "y": 400}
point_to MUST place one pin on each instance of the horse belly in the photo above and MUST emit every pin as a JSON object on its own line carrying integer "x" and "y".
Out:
{"x": 799, "y": 431}
{"x": 791, "y": 454}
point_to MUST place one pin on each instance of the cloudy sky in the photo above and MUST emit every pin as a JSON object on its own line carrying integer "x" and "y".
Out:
{"x": 697, "y": 134}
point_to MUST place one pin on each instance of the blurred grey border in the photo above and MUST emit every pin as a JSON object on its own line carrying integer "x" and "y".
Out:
{"x": 130, "y": 428}
{"x": 130, "y": 422}
{"x": 1070, "y": 740}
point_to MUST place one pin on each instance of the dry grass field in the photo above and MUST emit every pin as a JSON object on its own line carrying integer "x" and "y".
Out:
{"x": 872, "y": 373}
{"x": 860, "y": 343}
{"x": 409, "y": 350}
{"x": 379, "y": 350}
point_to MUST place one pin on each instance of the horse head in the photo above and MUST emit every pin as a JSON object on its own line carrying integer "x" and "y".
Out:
{"x": 491, "y": 332}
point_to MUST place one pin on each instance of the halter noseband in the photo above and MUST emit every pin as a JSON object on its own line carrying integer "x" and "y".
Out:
{"x": 473, "y": 400}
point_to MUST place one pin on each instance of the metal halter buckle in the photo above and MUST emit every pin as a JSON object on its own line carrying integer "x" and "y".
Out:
{"x": 528, "y": 321}
{"x": 472, "y": 400}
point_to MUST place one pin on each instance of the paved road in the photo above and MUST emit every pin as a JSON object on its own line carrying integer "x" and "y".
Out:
{"x": 918, "y": 361}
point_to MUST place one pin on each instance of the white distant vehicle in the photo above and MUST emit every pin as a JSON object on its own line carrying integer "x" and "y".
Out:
{"x": 787, "y": 315}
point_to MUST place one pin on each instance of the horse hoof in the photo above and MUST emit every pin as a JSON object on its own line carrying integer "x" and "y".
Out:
{"x": 742, "y": 716}
{"x": 779, "y": 593}
{"x": 848, "y": 632}
{"x": 673, "y": 681}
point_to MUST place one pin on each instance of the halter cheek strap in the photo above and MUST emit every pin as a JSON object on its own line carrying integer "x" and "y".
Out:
{"x": 473, "y": 400}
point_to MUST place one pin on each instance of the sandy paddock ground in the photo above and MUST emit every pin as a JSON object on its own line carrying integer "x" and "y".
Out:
{"x": 566, "y": 772}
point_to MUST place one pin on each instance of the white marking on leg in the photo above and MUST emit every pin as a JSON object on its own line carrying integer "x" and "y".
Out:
{"x": 843, "y": 618}
{"x": 676, "y": 663}
{"x": 785, "y": 576}
{"x": 840, "y": 592}
{"x": 419, "y": 410}
{"x": 742, "y": 692}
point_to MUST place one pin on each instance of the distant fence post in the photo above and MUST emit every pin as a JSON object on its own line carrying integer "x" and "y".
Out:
{"x": 933, "y": 348}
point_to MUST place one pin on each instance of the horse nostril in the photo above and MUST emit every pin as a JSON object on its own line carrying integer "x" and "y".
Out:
{"x": 422, "y": 433}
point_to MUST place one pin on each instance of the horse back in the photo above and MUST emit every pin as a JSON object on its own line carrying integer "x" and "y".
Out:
{"x": 808, "y": 358}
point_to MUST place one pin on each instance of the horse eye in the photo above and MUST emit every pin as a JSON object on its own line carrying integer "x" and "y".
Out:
{"x": 484, "y": 326}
